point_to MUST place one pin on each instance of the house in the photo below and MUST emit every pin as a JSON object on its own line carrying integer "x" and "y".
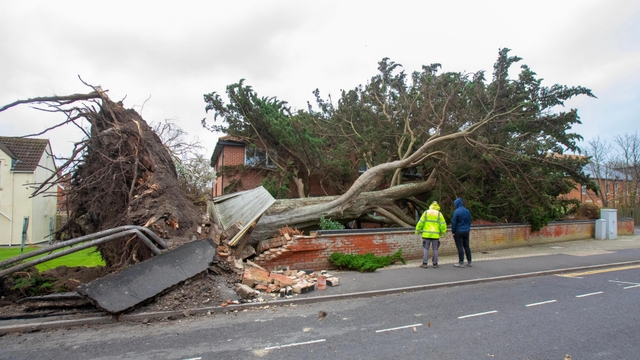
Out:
{"x": 228, "y": 154}
{"x": 240, "y": 167}
{"x": 24, "y": 164}
{"x": 614, "y": 190}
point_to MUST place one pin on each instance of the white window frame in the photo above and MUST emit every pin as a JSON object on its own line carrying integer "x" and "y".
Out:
{"x": 254, "y": 156}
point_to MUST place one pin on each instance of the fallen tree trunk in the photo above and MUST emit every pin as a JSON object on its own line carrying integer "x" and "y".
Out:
{"x": 359, "y": 199}
{"x": 306, "y": 212}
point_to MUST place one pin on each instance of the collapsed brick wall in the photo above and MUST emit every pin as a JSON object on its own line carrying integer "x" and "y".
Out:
{"x": 312, "y": 252}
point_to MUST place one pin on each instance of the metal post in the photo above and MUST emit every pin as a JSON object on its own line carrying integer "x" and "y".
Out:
{"x": 25, "y": 227}
{"x": 141, "y": 230}
{"x": 86, "y": 245}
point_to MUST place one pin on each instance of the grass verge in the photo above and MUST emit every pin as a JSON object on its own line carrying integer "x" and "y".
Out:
{"x": 88, "y": 257}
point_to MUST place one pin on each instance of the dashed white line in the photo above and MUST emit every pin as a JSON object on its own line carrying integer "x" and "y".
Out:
{"x": 478, "y": 314}
{"x": 631, "y": 287}
{"x": 623, "y": 282}
{"x": 542, "y": 303}
{"x": 590, "y": 294}
{"x": 398, "y": 328}
{"x": 294, "y": 344}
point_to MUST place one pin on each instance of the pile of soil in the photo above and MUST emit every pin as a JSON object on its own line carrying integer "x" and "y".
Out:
{"x": 60, "y": 279}
{"x": 203, "y": 290}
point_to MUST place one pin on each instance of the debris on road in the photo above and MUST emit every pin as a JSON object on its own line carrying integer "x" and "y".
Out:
{"x": 143, "y": 281}
{"x": 285, "y": 282}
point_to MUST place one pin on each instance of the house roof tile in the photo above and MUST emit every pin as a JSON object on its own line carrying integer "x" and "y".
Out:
{"x": 26, "y": 152}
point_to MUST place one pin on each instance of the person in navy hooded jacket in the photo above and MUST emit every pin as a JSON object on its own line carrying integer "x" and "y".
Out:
{"x": 460, "y": 227}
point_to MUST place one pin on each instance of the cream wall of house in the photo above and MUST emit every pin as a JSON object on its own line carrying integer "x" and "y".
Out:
{"x": 44, "y": 206}
{"x": 19, "y": 204}
{"x": 5, "y": 197}
{"x": 22, "y": 207}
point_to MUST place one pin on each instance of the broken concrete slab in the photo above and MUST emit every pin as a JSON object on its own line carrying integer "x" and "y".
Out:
{"x": 246, "y": 292}
{"x": 140, "y": 282}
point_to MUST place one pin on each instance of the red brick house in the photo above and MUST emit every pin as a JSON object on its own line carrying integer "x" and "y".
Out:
{"x": 617, "y": 190}
{"x": 241, "y": 167}
{"x": 230, "y": 152}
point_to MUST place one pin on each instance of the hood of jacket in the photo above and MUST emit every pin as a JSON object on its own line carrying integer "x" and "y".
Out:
{"x": 434, "y": 206}
{"x": 457, "y": 202}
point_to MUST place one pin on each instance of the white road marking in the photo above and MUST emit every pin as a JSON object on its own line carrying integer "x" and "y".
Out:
{"x": 542, "y": 303}
{"x": 595, "y": 293}
{"x": 478, "y": 314}
{"x": 623, "y": 282}
{"x": 294, "y": 344}
{"x": 398, "y": 328}
{"x": 631, "y": 287}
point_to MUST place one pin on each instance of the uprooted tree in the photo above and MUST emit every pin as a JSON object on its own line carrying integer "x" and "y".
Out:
{"x": 459, "y": 134}
{"x": 121, "y": 174}
{"x": 492, "y": 142}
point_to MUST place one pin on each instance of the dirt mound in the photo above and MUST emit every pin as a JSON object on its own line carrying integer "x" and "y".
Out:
{"x": 28, "y": 283}
{"x": 71, "y": 277}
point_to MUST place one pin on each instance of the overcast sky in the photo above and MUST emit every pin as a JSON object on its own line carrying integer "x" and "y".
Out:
{"x": 165, "y": 54}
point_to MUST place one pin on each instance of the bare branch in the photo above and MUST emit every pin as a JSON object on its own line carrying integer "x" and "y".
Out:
{"x": 61, "y": 100}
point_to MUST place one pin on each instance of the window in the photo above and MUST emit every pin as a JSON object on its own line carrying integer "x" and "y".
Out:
{"x": 254, "y": 156}
{"x": 584, "y": 189}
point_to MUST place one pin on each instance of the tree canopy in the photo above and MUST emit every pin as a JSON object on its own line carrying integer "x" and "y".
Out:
{"x": 497, "y": 143}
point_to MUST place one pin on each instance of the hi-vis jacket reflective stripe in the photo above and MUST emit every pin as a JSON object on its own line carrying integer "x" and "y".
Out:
{"x": 432, "y": 223}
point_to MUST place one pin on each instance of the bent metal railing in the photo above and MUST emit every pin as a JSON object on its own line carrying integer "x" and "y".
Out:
{"x": 90, "y": 240}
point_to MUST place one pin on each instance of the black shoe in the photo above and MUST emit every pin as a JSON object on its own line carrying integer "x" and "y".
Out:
{"x": 435, "y": 266}
{"x": 458, "y": 265}
{"x": 424, "y": 266}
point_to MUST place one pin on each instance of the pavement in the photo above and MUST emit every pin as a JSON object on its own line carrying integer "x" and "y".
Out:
{"x": 496, "y": 265}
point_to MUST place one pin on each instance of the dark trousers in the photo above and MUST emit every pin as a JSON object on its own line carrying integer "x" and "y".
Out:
{"x": 462, "y": 244}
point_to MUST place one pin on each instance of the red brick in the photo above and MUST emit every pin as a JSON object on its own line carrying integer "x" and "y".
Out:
{"x": 280, "y": 279}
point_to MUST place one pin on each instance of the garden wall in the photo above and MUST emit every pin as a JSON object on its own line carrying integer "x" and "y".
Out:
{"x": 312, "y": 252}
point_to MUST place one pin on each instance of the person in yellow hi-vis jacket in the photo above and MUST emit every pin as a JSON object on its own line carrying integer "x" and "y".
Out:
{"x": 432, "y": 226}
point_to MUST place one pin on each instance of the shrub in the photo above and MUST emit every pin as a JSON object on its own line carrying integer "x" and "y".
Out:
{"x": 328, "y": 224}
{"x": 364, "y": 262}
{"x": 588, "y": 211}
{"x": 32, "y": 284}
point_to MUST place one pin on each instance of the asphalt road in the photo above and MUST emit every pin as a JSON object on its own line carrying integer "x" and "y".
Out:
{"x": 589, "y": 315}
